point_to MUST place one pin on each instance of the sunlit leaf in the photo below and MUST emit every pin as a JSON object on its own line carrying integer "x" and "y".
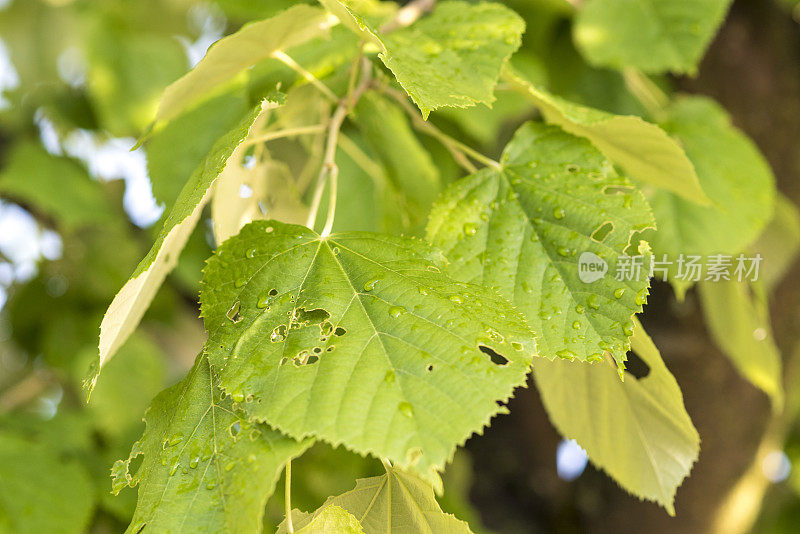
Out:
{"x": 359, "y": 339}
{"x": 528, "y": 227}
{"x": 737, "y": 317}
{"x": 452, "y": 57}
{"x": 130, "y": 303}
{"x": 637, "y": 431}
{"x": 643, "y": 150}
{"x": 206, "y": 468}
{"x": 229, "y": 56}
{"x": 394, "y": 503}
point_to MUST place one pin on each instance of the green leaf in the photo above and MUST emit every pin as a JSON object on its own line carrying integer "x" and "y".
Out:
{"x": 40, "y": 491}
{"x": 650, "y": 35}
{"x": 779, "y": 243}
{"x": 737, "y": 317}
{"x": 331, "y": 519}
{"x": 172, "y": 155}
{"x": 130, "y": 303}
{"x": 643, "y": 150}
{"x": 253, "y": 43}
{"x": 386, "y": 129}
{"x": 359, "y": 339}
{"x": 637, "y": 431}
{"x": 524, "y": 227}
{"x": 394, "y": 503}
{"x": 129, "y": 383}
{"x": 60, "y": 187}
{"x": 272, "y": 194}
{"x": 452, "y": 57}
{"x": 206, "y": 468}
{"x": 367, "y": 199}
{"x": 732, "y": 172}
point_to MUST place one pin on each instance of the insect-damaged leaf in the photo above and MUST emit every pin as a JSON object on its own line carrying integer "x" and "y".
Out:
{"x": 554, "y": 207}
{"x": 206, "y": 468}
{"x": 359, "y": 339}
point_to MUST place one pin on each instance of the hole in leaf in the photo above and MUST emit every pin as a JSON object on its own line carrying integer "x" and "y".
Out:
{"x": 234, "y": 429}
{"x": 602, "y": 231}
{"x": 279, "y": 334}
{"x": 305, "y": 317}
{"x": 430, "y": 367}
{"x": 617, "y": 190}
{"x": 636, "y": 366}
{"x": 233, "y": 312}
{"x": 273, "y": 292}
{"x": 339, "y": 331}
{"x": 495, "y": 357}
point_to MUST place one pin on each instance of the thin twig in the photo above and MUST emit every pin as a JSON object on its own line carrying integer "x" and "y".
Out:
{"x": 329, "y": 170}
{"x": 25, "y": 390}
{"x": 287, "y": 132}
{"x": 288, "y": 497}
{"x": 647, "y": 93}
{"x": 310, "y": 78}
{"x": 456, "y": 148}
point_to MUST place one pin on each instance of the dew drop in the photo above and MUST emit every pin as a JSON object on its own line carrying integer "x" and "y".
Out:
{"x": 406, "y": 409}
{"x": 566, "y": 354}
{"x": 559, "y": 213}
{"x": 396, "y": 311}
{"x": 370, "y": 284}
{"x": 619, "y": 292}
{"x": 641, "y": 297}
{"x": 577, "y": 325}
{"x": 470, "y": 229}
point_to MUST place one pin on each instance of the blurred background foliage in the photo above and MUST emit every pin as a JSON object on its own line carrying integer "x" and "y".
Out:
{"x": 79, "y": 83}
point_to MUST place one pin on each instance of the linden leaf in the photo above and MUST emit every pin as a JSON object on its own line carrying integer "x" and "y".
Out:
{"x": 733, "y": 173}
{"x": 253, "y": 43}
{"x": 643, "y": 150}
{"x": 130, "y": 303}
{"x": 452, "y": 57}
{"x": 394, "y": 503}
{"x": 637, "y": 431}
{"x": 358, "y": 338}
{"x": 555, "y": 206}
{"x": 206, "y": 468}
{"x": 650, "y": 35}
{"x": 737, "y": 317}
{"x": 329, "y": 520}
